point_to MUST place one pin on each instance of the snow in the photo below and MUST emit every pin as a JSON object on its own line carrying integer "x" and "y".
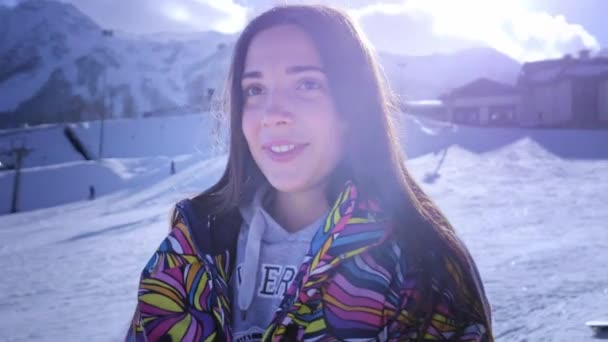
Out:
{"x": 122, "y": 139}
{"x": 530, "y": 205}
{"x": 150, "y": 71}
{"x": 30, "y": 31}
{"x": 70, "y": 182}
{"x": 73, "y": 269}
{"x": 139, "y": 151}
{"x": 430, "y": 103}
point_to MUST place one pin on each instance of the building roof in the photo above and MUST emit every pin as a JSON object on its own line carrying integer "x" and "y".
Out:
{"x": 479, "y": 88}
{"x": 566, "y": 68}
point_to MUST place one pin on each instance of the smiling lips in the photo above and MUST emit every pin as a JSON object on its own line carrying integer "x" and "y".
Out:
{"x": 283, "y": 151}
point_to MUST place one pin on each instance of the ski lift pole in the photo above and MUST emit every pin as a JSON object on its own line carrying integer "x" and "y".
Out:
{"x": 101, "y": 122}
{"x": 104, "y": 33}
{"x": 18, "y": 153}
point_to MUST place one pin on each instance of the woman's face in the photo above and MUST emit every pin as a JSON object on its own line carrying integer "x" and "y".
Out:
{"x": 289, "y": 120}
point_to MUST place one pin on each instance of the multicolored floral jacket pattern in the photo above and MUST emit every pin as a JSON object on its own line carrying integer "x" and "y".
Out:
{"x": 355, "y": 284}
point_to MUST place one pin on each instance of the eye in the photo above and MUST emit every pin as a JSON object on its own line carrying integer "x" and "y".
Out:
{"x": 252, "y": 90}
{"x": 309, "y": 85}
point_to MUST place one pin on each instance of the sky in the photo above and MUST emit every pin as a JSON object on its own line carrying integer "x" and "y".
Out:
{"x": 522, "y": 29}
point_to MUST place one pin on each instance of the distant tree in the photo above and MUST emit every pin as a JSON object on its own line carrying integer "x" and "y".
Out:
{"x": 129, "y": 106}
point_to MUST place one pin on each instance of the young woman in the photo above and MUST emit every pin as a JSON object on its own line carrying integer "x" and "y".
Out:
{"x": 316, "y": 230}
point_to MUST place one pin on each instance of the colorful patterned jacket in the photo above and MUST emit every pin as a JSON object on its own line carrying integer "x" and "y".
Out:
{"x": 355, "y": 284}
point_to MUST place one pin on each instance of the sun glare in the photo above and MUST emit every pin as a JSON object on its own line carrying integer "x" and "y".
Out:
{"x": 230, "y": 19}
{"x": 507, "y": 26}
{"x": 178, "y": 13}
{"x": 471, "y": 19}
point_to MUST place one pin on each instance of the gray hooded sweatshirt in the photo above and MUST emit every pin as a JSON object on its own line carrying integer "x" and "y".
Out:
{"x": 267, "y": 260}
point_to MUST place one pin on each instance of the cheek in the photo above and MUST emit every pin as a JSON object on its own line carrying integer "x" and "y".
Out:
{"x": 333, "y": 135}
{"x": 248, "y": 127}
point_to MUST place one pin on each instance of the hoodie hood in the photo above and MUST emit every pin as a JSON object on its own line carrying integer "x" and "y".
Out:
{"x": 258, "y": 228}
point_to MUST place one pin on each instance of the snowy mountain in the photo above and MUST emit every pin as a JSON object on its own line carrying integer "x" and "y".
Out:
{"x": 427, "y": 77}
{"x": 59, "y": 65}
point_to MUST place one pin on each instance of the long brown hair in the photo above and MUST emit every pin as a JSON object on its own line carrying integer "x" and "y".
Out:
{"x": 373, "y": 159}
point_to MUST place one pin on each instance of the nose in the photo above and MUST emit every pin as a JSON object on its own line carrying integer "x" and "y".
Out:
{"x": 276, "y": 109}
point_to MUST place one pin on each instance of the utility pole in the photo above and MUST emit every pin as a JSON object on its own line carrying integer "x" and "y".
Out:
{"x": 18, "y": 153}
{"x": 101, "y": 122}
{"x": 104, "y": 33}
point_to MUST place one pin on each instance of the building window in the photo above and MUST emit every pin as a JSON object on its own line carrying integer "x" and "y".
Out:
{"x": 466, "y": 115}
{"x": 502, "y": 115}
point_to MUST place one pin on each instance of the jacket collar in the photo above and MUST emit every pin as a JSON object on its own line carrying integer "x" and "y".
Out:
{"x": 353, "y": 226}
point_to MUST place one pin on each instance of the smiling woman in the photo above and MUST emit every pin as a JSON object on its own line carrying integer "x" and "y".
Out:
{"x": 316, "y": 230}
{"x": 289, "y": 119}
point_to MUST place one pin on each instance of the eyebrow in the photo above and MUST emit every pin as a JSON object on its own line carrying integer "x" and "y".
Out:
{"x": 291, "y": 70}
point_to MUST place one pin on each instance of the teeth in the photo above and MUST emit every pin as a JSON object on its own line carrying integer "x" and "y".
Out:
{"x": 282, "y": 148}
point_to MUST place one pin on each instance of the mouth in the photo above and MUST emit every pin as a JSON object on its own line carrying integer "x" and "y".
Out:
{"x": 283, "y": 151}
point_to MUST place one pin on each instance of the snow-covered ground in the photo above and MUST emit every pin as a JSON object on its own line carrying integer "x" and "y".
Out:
{"x": 536, "y": 225}
{"x": 122, "y": 138}
{"x": 530, "y": 206}
{"x": 53, "y": 54}
{"x": 136, "y": 152}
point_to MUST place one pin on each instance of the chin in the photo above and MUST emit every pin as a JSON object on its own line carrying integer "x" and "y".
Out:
{"x": 286, "y": 185}
{"x": 289, "y": 185}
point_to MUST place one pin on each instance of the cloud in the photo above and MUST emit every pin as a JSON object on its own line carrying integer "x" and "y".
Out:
{"x": 223, "y": 16}
{"x": 233, "y": 16}
{"x": 399, "y": 26}
{"x": 144, "y": 16}
{"x": 393, "y": 29}
{"x": 506, "y": 26}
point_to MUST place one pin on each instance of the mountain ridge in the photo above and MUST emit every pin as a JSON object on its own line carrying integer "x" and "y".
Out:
{"x": 59, "y": 65}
